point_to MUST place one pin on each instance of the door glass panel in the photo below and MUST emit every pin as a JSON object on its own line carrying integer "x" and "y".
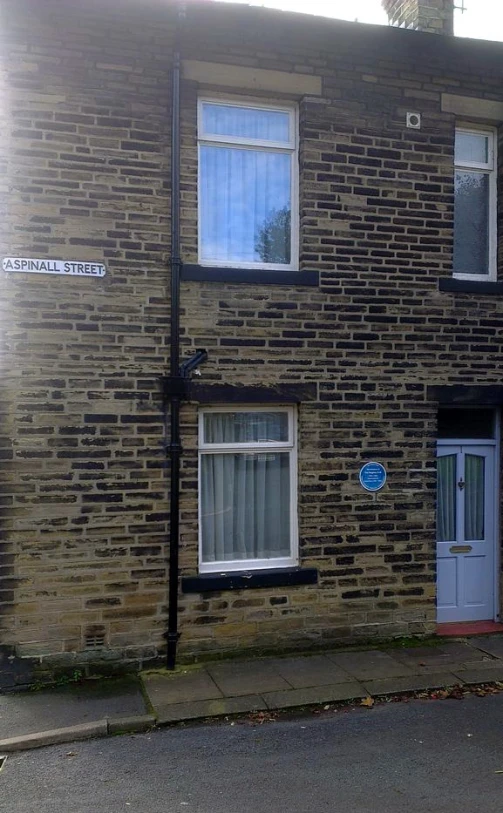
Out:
{"x": 446, "y": 513}
{"x": 474, "y": 497}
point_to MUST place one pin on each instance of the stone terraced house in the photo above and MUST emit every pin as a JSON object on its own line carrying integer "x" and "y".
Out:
{"x": 244, "y": 254}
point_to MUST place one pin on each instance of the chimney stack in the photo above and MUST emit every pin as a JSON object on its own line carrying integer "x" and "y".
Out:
{"x": 434, "y": 16}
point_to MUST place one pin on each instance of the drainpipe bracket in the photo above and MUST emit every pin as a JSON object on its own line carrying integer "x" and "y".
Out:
{"x": 174, "y": 386}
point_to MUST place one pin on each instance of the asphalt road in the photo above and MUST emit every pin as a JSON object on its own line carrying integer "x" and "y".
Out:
{"x": 424, "y": 755}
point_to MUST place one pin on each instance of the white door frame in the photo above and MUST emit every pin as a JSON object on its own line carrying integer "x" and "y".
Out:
{"x": 494, "y": 443}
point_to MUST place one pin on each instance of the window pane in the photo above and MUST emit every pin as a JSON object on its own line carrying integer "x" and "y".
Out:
{"x": 446, "y": 498}
{"x": 466, "y": 423}
{"x": 471, "y": 223}
{"x": 471, "y": 147}
{"x": 245, "y": 205}
{"x": 245, "y": 427}
{"x": 245, "y": 506}
{"x": 474, "y": 497}
{"x": 246, "y": 122}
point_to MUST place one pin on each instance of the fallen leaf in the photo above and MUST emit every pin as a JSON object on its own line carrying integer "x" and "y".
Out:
{"x": 368, "y": 702}
{"x": 261, "y": 717}
{"x": 440, "y": 695}
{"x": 71, "y": 753}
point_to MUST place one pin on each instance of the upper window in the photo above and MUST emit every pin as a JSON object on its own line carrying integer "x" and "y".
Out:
{"x": 247, "y": 489}
{"x": 247, "y": 185}
{"x": 475, "y": 204}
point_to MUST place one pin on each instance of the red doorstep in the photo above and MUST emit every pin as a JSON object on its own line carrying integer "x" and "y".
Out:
{"x": 466, "y": 628}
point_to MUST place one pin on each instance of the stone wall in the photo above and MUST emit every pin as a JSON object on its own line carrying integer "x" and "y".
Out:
{"x": 85, "y": 98}
{"x": 83, "y": 487}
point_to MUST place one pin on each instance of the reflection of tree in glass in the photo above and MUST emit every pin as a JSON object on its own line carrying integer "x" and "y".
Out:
{"x": 272, "y": 240}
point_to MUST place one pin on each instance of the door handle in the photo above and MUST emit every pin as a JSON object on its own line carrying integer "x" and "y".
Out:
{"x": 461, "y": 484}
{"x": 460, "y": 549}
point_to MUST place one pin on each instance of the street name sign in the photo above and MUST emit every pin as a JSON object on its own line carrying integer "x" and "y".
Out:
{"x": 68, "y": 268}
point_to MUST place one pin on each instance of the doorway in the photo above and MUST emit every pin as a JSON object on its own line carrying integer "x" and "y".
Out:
{"x": 467, "y": 516}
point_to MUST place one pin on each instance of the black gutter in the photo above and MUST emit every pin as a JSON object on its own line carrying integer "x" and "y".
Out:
{"x": 175, "y": 386}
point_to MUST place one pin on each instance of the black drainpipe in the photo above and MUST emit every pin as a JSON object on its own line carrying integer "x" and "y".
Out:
{"x": 175, "y": 386}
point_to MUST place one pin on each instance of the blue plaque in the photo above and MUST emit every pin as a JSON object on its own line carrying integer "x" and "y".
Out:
{"x": 372, "y": 476}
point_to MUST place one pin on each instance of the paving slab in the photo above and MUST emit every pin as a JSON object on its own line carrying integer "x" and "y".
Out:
{"x": 247, "y": 677}
{"x": 436, "y": 659}
{"x": 483, "y": 673}
{"x": 311, "y": 670}
{"x": 176, "y": 712}
{"x": 23, "y": 713}
{"x": 463, "y": 651}
{"x": 314, "y": 695}
{"x": 491, "y": 644}
{"x": 371, "y": 664}
{"x": 411, "y": 683}
{"x": 179, "y": 687}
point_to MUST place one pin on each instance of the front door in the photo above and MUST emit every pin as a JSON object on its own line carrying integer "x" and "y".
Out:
{"x": 465, "y": 531}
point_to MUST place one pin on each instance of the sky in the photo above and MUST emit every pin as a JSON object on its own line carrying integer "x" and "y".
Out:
{"x": 482, "y": 19}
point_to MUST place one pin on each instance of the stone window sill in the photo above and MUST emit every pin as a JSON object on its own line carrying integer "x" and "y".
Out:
{"x": 465, "y": 286}
{"x": 241, "y": 580}
{"x": 200, "y": 273}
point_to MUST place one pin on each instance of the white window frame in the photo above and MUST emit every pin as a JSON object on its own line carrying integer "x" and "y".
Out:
{"x": 290, "y": 147}
{"x": 486, "y": 168}
{"x": 231, "y": 448}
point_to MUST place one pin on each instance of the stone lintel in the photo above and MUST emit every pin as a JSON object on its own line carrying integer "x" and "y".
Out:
{"x": 235, "y": 76}
{"x": 472, "y": 108}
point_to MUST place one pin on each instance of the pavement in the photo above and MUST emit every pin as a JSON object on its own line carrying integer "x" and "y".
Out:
{"x": 219, "y": 689}
{"x": 78, "y": 711}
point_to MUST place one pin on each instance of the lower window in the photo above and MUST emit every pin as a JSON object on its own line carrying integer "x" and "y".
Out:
{"x": 247, "y": 488}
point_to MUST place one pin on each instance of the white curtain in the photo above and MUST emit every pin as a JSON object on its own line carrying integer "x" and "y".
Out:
{"x": 245, "y": 195}
{"x": 245, "y": 192}
{"x": 245, "y": 496}
{"x": 245, "y": 427}
{"x": 446, "y": 508}
{"x": 474, "y": 497}
{"x": 246, "y": 122}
